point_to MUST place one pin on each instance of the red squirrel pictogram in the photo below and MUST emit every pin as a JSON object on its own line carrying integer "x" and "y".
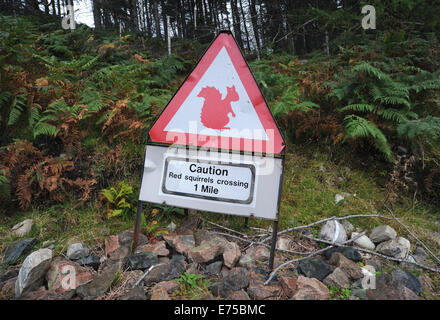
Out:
{"x": 215, "y": 111}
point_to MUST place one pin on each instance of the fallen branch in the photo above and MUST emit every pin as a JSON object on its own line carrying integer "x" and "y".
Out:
{"x": 332, "y": 245}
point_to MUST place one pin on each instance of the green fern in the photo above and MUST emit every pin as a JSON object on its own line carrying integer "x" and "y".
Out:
{"x": 5, "y": 189}
{"x": 17, "y": 108}
{"x": 428, "y": 128}
{"x": 358, "y": 127}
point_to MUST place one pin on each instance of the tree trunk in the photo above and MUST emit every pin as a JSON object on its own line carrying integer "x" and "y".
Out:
{"x": 245, "y": 26}
{"x": 96, "y": 13}
{"x": 236, "y": 23}
{"x": 254, "y": 20}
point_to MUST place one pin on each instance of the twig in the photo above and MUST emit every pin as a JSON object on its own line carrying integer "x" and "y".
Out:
{"x": 145, "y": 274}
{"x": 377, "y": 254}
{"x": 329, "y": 219}
{"x": 413, "y": 235}
{"x": 273, "y": 273}
{"x": 222, "y": 227}
{"x": 256, "y": 242}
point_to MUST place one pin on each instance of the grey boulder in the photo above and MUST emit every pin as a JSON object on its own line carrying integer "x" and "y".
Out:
{"x": 333, "y": 231}
{"x": 32, "y": 272}
{"x": 383, "y": 233}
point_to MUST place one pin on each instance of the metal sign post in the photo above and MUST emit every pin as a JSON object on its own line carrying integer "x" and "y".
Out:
{"x": 216, "y": 147}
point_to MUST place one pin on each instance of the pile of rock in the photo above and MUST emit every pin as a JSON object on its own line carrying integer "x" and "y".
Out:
{"x": 383, "y": 239}
{"x": 233, "y": 273}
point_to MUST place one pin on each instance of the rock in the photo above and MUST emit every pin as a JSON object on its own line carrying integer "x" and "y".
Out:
{"x": 6, "y": 275}
{"x": 141, "y": 261}
{"x": 237, "y": 279}
{"x": 7, "y": 289}
{"x": 231, "y": 254}
{"x": 283, "y": 243}
{"x": 398, "y": 248}
{"x": 359, "y": 293}
{"x": 42, "y": 294}
{"x": 50, "y": 244}
{"x": 17, "y": 249}
{"x": 389, "y": 289}
{"x": 363, "y": 241}
{"x": 65, "y": 276}
{"x": 259, "y": 253}
{"x": 310, "y": 289}
{"x": 383, "y": 233}
{"x": 351, "y": 269}
{"x": 100, "y": 284}
{"x": 131, "y": 277}
{"x": 163, "y": 259}
{"x": 190, "y": 223}
{"x": 333, "y": 231}
{"x": 171, "y": 227}
{"x": 23, "y": 228}
{"x": 420, "y": 255}
{"x": 77, "y": 251}
{"x": 258, "y": 291}
{"x": 32, "y": 271}
{"x": 214, "y": 268}
{"x": 137, "y": 293}
{"x": 111, "y": 244}
{"x": 159, "y": 293}
{"x": 337, "y": 278}
{"x": 181, "y": 243}
{"x": 420, "y": 252}
{"x": 374, "y": 262}
{"x": 238, "y": 295}
{"x": 120, "y": 254}
{"x": 426, "y": 283}
{"x": 179, "y": 258}
{"x": 408, "y": 280}
{"x": 409, "y": 294}
{"x": 314, "y": 268}
{"x": 193, "y": 268}
{"x": 159, "y": 248}
{"x": 205, "y": 252}
{"x": 347, "y": 226}
{"x": 348, "y": 252}
{"x": 92, "y": 261}
{"x": 164, "y": 272}
{"x": 169, "y": 286}
{"x": 246, "y": 261}
{"x": 288, "y": 284}
{"x": 338, "y": 198}
{"x": 126, "y": 238}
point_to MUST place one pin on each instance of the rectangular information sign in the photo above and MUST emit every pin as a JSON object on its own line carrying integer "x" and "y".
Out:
{"x": 212, "y": 181}
{"x": 209, "y": 180}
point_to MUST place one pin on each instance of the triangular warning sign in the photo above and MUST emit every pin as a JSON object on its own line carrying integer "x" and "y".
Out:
{"x": 219, "y": 106}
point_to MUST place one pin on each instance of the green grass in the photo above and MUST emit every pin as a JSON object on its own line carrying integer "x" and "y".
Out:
{"x": 339, "y": 293}
{"x": 192, "y": 286}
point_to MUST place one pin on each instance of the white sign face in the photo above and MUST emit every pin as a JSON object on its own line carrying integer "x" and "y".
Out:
{"x": 243, "y": 120}
{"x": 212, "y": 181}
{"x": 209, "y": 180}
